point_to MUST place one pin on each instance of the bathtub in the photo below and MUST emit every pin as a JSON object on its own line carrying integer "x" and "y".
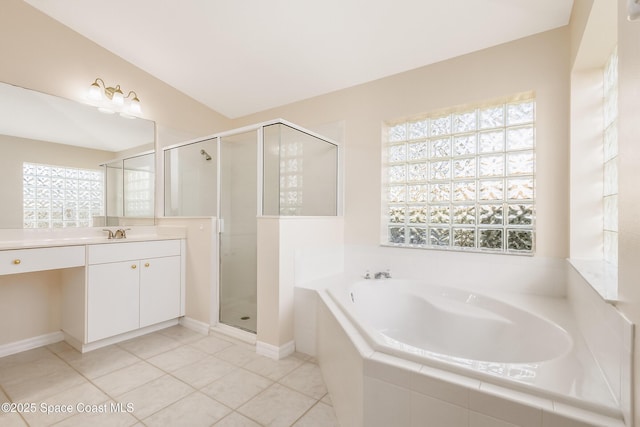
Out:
{"x": 415, "y": 340}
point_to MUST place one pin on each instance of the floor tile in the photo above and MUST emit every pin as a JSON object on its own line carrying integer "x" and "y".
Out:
{"x": 86, "y": 393}
{"x": 38, "y": 388}
{"x": 327, "y": 399}
{"x": 273, "y": 369}
{"x": 204, "y": 371}
{"x": 149, "y": 345}
{"x": 236, "y": 420}
{"x": 181, "y": 334}
{"x": 211, "y": 344}
{"x": 59, "y": 347}
{"x": 192, "y": 411}
{"x": 99, "y": 362}
{"x": 174, "y": 359}
{"x": 9, "y": 362}
{"x": 237, "y": 388}
{"x": 277, "y": 406}
{"x": 11, "y": 419}
{"x": 155, "y": 395}
{"x": 128, "y": 378}
{"x": 28, "y": 365}
{"x": 227, "y": 372}
{"x": 306, "y": 379}
{"x": 238, "y": 355}
{"x": 104, "y": 415}
{"x": 321, "y": 415}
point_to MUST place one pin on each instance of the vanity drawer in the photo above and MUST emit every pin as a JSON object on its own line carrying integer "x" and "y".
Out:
{"x": 38, "y": 259}
{"x": 116, "y": 252}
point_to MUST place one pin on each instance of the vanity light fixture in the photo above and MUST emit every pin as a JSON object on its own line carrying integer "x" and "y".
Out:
{"x": 111, "y": 100}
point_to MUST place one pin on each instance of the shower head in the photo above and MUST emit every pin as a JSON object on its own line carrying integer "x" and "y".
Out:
{"x": 205, "y": 154}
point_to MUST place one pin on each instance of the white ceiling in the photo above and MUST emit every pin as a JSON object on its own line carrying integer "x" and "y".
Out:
{"x": 243, "y": 56}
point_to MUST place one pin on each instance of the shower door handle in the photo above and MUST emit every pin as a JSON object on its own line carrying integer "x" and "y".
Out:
{"x": 220, "y": 225}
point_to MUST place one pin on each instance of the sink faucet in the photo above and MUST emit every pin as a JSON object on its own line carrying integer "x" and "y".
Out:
{"x": 111, "y": 235}
{"x": 121, "y": 233}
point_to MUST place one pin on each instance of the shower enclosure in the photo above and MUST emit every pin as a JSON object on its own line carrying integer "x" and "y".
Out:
{"x": 129, "y": 190}
{"x": 274, "y": 168}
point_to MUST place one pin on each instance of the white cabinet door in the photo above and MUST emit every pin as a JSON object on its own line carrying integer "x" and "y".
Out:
{"x": 113, "y": 299}
{"x": 159, "y": 290}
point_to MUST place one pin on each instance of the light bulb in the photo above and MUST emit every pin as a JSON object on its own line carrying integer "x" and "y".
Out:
{"x": 134, "y": 107}
{"x": 95, "y": 92}
{"x": 118, "y": 97}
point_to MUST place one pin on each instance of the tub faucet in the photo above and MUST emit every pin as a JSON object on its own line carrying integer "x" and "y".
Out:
{"x": 383, "y": 275}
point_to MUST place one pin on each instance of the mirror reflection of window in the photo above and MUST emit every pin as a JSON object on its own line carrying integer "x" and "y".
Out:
{"x": 61, "y": 197}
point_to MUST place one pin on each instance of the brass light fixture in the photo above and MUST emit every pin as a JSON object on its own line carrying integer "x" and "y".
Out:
{"x": 111, "y": 100}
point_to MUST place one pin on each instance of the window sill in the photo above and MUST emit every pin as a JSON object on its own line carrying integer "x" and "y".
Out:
{"x": 601, "y": 275}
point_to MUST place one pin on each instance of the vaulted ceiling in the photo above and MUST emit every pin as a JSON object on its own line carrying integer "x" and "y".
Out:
{"x": 243, "y": 56}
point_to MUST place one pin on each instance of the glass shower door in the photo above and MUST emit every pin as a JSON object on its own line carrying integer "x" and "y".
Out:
{"x": 238, "y": 236}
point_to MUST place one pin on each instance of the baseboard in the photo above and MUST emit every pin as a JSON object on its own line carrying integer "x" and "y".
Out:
{"x": 83, "y": 348}
{"x": 30, "y": 343}
{"x": 275, "y": 352}
{"x": 236, "y": 333}
{"x": 195, "y": 325}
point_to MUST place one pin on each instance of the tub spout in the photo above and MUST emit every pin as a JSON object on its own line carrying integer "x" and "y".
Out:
{"x": 383, "y": 275}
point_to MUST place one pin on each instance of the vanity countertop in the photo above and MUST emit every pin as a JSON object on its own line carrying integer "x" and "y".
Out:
{"x": 77, "y": 241}
{"x": 28, "y": 239}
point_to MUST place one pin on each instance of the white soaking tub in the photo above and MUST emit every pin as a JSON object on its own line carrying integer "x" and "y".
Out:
{"x": 415, "y": 340}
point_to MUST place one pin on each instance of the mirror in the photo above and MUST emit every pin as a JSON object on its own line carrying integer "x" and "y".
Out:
{"x": 52, "y": 151}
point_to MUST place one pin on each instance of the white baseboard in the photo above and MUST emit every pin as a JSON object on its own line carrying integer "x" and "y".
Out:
{"x": 239, "y": 334}
{"x": 83, "y": 348}
{"x": 30, "y": 343}
{"x": 195, "y": 325}
{"x": 275, "y": 352}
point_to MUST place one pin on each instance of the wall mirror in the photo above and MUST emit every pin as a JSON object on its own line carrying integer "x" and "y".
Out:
{"x": 54, "y": 157}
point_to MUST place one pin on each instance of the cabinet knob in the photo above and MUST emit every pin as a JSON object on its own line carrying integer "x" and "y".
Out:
{"x": 146, "y": 264}
{"x": 16, "y": 261}
{"x": 134, "y": 266}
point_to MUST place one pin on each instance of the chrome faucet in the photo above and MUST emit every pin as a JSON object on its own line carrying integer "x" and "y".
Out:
{"x": 111, "y": 235}
{"x": 383, "y": 275}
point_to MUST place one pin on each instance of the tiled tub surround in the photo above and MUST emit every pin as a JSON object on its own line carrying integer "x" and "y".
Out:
{"x": 373, "y": 383}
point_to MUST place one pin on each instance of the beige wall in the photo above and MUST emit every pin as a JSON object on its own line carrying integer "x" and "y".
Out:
{"x": 539, "y": 63}
{"x": 39, "y": 53}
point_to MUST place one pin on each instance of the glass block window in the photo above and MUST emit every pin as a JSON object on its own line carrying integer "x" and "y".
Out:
{"x": 291, "y": 177}
{"x": 610, "y": 160}
{"x": 57, "y": 197}
{"x": 139, "y": 193}
{"x": 462, "y": 179}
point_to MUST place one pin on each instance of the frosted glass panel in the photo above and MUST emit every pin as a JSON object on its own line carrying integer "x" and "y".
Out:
{"x": 300, "y": 172}
{"x": 238, "y": 239}
{"x": 190, "y": 179}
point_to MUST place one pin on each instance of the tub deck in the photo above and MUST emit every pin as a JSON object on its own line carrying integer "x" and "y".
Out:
{"x": 566, "y": 389}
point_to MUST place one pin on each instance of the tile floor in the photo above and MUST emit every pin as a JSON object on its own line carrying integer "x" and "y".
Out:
{"x": 172, "y": 377}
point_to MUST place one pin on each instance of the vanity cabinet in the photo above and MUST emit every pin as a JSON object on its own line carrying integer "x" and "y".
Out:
{"x": 131, "y": 286}
{"x": 39, "y": 259}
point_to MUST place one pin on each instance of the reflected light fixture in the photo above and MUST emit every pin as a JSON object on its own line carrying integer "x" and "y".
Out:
{"x": 111, "y": 100}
